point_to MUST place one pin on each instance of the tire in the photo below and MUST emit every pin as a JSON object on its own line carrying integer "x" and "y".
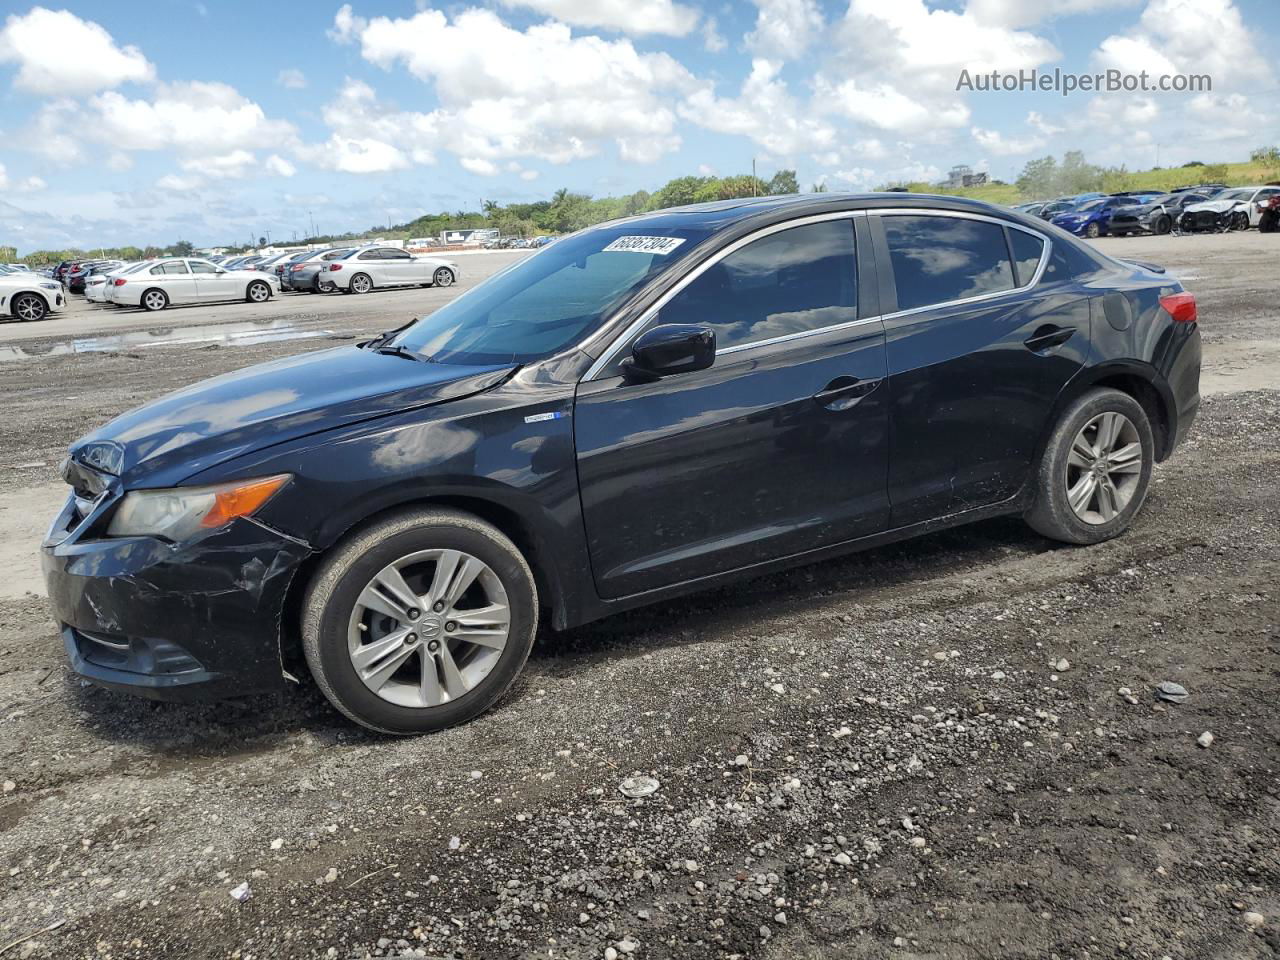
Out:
{"x": 153, "y": 300}
{"x": 360, "y": 283}
{"x": 333, "y": 612}
{"x": 1240, "y": 221}
{"x": 1270, "y": 222}
{"x": 1052, "y": 514}
{"x": 325, "y": 286}
{"x": 29, "y": 307}
{"x": 1164, "y": 224}
{"x": 442, "y": 278}
{"x": 1092, "y": 231}
{"x": 258, "y": 291}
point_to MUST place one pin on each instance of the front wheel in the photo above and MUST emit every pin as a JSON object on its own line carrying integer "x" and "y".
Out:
{"x": 154, "y": 300}
{"x": 258, "y": 292}
{"x": 443, "y": 278}
{"x": 1095, "y": 470}
{"x": 420, "y": 621}
{"x": 29, "y": 306}
{"x": 1092, "y": 231}
{"x": 1163, "y": 225}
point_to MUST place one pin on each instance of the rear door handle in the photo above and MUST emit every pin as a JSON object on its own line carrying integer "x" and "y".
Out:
{"x": 843, "y": 392}
{"x": 1048, "y": 337}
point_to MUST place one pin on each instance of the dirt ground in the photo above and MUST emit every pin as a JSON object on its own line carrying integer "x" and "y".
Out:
{"x": 882, "y": 756}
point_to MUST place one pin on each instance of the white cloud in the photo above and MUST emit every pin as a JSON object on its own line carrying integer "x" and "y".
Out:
{"x": 712, "y": 42}
{"x": 529, "y": 175}
{"x": 226, "y": 166}
{"x": 119, "y": 161}
{"x": 279, "y": 166}
{"x": 624, "y": 16}
{"x": 993, "y": 141}
{"x": 480, "y": 166}
{"x": 765, "y": 111}
{"x": 58, "y": 54}
{"x": 1037, "y": 122}
{"x": 356, "y": 155}
{"x": 895, "y": 65}
{"x": 369, "y": 137}
{"x": 1021, "y": 13}
{"x": 505, "y": 93}
{"x": 784, "y": 28}
{"x": 292, "y": 78}
{"x": 192, "y": 118}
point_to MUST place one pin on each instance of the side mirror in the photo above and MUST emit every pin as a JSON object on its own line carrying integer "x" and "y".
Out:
{"x": 219, "y": 270}
{"x": 669, "y": 349}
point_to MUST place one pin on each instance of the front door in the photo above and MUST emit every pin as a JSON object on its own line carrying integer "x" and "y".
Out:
{"x": 976, "y": 356}
{"x": 778, "y": 448}
{"x": 209, "y": 283}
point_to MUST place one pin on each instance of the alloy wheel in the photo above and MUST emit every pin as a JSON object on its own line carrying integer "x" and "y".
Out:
{"x": 29, "y": 307}
{"x": 443, "y": 278}
{"x": 154, "y": 300}
{"x": 428, "y": 628}
{"x": 259, "y": 292}
{"x": 1104, "y": 468}
{"x": 361, "y": 284}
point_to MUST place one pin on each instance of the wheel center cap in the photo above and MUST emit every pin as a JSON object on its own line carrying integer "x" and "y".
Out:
{"x": 430, "y": 626}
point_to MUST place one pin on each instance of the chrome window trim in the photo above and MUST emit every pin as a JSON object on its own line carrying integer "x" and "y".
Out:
{"x": 637, "y": 325}
{"x": 848, "y": 325}
{"x": 965, "y": 215}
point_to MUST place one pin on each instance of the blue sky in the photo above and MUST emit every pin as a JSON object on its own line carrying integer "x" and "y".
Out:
{"x": 217, "y": 122}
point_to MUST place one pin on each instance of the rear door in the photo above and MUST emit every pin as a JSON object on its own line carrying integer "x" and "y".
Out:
{"x": 174, "y": 278}
{"x": 980, "y": 340}
{"x": 778, "y": 448}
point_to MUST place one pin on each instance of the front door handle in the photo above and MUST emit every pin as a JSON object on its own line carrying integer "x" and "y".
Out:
{"x": 1047, "y": 337}
{"x": 843, "y": 392}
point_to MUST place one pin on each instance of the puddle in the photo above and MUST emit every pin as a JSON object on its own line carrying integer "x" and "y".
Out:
{"x": 240, "y": 334}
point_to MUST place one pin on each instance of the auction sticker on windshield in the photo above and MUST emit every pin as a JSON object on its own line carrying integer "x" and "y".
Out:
{"x": 659, "y": 245}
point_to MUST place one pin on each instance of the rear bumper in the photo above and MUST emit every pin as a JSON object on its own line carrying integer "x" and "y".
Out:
{"x": 173, "y": 622}
{"x": 1182, "y": 373}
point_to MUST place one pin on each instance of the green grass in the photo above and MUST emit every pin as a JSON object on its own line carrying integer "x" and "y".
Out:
{"x": 1164, "y": 178}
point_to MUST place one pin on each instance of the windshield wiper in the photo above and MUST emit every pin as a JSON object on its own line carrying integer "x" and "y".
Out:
{"x": 400, "y": 350}
{"x": 385, "y": 336}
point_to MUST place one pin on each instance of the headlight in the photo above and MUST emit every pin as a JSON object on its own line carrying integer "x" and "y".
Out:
{"x": 50, "y": 286}
{"x": 180, "y": 513}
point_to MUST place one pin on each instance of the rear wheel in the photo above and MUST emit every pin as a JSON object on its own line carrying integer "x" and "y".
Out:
{"x": 154, "y": 300}
{"x": 361, "y": 283}
{"x": 420, "y": 621}
{"x": 29, "y": 306}
{"x": 258, "y": 292}
{"x": 1095, "y": 471}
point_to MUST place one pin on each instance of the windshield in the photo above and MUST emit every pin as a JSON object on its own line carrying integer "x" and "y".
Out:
{"x": 1234, "y": 195}
{"x": 552, "y": 299}
{"x": 1091, "y": 205}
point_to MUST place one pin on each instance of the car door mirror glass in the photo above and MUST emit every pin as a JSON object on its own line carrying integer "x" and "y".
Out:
{"x": 669, "y": 349}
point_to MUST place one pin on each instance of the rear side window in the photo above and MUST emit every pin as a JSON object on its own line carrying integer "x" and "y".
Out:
{"x": 173, "y": 266}
{"x": 940, "y": 259}
{"x": 790, "y": 282}
{"x": 1027, "y": 250}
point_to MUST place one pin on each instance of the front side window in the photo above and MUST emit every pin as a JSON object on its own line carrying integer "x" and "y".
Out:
{"x": 789, "y": 282}
{"x": 200, "y": 266}
{"x": 940, "y": 259}
{"x": 552, "y": 299}
{"x": 391, "y": 253}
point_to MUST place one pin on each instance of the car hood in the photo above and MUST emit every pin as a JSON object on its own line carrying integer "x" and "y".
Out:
{"x": 1217, "y": 206}
{"x": 183, "y": 433}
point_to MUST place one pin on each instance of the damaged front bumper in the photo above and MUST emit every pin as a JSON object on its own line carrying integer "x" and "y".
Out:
{"x": 192, "y": 621}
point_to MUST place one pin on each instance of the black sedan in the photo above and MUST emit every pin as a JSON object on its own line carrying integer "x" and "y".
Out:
{"x": 648, "y": 407}
{"x": 1158, "y": 215}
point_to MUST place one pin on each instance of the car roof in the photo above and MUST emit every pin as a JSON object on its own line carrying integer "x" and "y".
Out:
{"x": 721, "y": 214}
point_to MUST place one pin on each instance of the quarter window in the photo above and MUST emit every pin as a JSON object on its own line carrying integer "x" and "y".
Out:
{"x": 790, "y": 282}
{"x": 940, "y": 259}
{"x": 1026, "y": 255}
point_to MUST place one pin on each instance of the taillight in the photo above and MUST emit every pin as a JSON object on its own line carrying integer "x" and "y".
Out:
{"x": 1181, "y": 306}
{"x": 296, "y": 266}
{"x": 118, "y": 281}
{"x": 335, "y": 266}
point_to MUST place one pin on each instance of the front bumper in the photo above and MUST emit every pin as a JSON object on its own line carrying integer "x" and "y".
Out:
{"x": 192, "y": 621}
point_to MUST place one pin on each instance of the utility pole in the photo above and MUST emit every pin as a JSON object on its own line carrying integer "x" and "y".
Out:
{"x": 753, "y": 176}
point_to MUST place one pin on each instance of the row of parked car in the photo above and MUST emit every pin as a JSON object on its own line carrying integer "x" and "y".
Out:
{"x": 155, "y": 284}
{"x": 1205, "y": 207}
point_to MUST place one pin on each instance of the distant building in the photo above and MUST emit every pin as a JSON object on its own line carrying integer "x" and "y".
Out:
{"x": 962, "y": 175}
{"x": 470, "y": 235}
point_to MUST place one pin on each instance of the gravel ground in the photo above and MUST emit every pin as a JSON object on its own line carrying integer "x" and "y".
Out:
{"x": 943, "y": 748}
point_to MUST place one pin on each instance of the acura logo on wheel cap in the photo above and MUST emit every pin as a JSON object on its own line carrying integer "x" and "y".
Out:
{"x": 429, "y": 627}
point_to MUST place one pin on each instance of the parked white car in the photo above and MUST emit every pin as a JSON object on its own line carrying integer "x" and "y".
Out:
{"x": 156, "y": 284}
{"x": 96, "y": 285}
{"x": 1240, "y": 202}
{"x": 28, "y": 296}
{"x": 368, "y": 268}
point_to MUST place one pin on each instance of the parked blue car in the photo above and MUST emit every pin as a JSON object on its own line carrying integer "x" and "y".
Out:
{"x": 1092, "y": 218}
